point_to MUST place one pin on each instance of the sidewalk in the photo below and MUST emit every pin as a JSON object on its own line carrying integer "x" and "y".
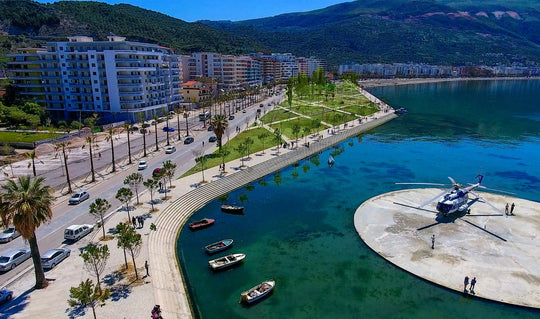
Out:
{"x": 135, "y": 299}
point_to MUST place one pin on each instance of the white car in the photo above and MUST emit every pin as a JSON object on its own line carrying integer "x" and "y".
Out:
{"x": 13, "y": 258}
{"x": 170, "y": 150}
{"x": 53, "y": 257}
{"x": 76, "y": 232}
{"x": 9, "y": 234}
{"x": 79, "y": 197}
{"x": 142, "y": 165}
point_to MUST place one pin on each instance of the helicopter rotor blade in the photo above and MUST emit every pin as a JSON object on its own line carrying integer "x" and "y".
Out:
{"x": 491, "y": 205}
{"x": 434, "y": 198}
{"x": 496, "y": 190}
{"x": 452, "y": 180}
{"x": 434, "y": 184}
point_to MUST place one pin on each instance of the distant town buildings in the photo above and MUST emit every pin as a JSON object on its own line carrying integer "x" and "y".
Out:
{"x": 405, "y": 70}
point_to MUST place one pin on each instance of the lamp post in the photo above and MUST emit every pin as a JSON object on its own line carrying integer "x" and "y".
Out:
{"x": 167, "y": 119}
{"x": 186, "y": 115}
{"x": 178, "y": 120}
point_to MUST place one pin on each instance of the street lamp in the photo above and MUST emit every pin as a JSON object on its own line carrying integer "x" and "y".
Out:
{"x": 178, "y": 120}
{"x": 186, "y": 115}
{"x": 167, "y": 119}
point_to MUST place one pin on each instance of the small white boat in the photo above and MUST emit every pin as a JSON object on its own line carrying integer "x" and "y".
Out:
{"x": 258, "y": 292}
{"x": 226, "y": 261}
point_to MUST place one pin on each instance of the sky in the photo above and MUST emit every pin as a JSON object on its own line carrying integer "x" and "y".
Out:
{"x": 235, "y": 10}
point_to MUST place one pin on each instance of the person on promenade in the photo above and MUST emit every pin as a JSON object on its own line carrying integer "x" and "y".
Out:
{"x": 506, "y": 209}
{"x": 512, "y": 209}
{"x": 473, "y": 282}
{"x": 134, "y": 221}
{"x": 146, "y": 267}
{"x": 465, "y": 283}
{"x": 433, "y": 241}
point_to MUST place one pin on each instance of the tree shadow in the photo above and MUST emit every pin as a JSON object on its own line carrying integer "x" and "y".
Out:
{"x": 16, "y": 305}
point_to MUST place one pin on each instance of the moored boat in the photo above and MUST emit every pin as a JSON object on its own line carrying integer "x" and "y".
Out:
{"x": 205, "y": 222}
{"x": 232, "y": 209}
{"x": 331, "y": 160}
{"x": 218, "y": 246}
{"x": 226, "y": 261}
{"x": 400, "y": 111}
{"x": 258, "y": 292}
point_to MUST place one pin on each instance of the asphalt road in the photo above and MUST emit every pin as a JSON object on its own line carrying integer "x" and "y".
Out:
{"x": 51, "y": 235}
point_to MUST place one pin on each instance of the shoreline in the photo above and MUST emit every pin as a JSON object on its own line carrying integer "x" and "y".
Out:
{"x": 391, "y": 82}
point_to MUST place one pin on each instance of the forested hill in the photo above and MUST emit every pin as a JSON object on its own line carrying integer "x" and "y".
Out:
{"x": 26, "y": 22}
{"x": 430, "y": 31}
{"x": 435, "y": 31}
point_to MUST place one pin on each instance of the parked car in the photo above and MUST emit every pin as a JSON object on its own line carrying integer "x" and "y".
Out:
{"x": 243, "y": 111}
{"x": 212, "y": 139}
{"x": 5, "y": 295}
{"x": 261, "y": 105}
{"x": 76, "y": 232}
{"x": 145, "y": 125}
{"x": 53, "y": 257}
{"x": 210, "y": 128}
{"x": 134, "y": 128}
{"x": 168, "y": 129}
{"x": 189, "y": 140}
{"x": 170, "y": 150}
{"x": 142, "y": 165}
{"x": 155, "y": 172}
{"x": 231, "y": 117}
{"x": 79, "y": 197}
{"x": 13, "y": 258}
{"x": 9, "y": 234}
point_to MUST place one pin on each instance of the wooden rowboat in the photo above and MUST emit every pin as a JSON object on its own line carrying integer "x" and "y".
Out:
{"x": 260, "y": 291}
{"x": 226, "y": 261}
{"x": 205, "y": 222}
{"x": 231, "y": 209}
{"x": 218, "y": 246}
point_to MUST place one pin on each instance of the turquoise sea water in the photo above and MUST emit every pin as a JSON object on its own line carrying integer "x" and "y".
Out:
{"x": 298, "y": 223}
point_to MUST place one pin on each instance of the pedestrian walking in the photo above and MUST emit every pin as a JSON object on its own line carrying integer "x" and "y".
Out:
{"x": 512, "y": 209}
{"x": 465, "y": 283}
{"x": 146, "y": 267}
{"x": 142, "y": 222}
{"x": 506, "y": 209}
{"x": 160, "y": 186}
{"x": 473, "y": 282}
{"x": 133, "y": 221}
{"x": 433, "y": 241}
{"x": 99, "y": 155}
{"x": 153, "y": 226}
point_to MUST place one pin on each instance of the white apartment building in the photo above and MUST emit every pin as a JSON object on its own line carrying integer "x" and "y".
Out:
{"x": 117, "y": 79}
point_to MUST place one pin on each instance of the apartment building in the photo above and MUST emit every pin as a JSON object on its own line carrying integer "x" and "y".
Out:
{"x": 25, "y": 72}
{"x": 117, "y": 79}
{"x": 195, "y": 92}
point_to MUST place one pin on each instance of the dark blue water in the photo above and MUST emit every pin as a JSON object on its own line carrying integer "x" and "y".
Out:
{"x": 298, "y": 223}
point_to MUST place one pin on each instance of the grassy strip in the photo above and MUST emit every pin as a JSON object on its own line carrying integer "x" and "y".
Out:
{"x": 257, "y": 146}
{"x": 25, "y": 137}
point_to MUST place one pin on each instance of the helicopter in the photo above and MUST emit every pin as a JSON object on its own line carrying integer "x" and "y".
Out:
{"x": 456, "y": 199}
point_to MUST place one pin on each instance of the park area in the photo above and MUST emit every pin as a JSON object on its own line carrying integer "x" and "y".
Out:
{"x": 304, "y": 116}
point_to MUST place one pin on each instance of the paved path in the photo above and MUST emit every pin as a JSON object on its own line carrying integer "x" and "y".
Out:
{"x": 500, "y": 251}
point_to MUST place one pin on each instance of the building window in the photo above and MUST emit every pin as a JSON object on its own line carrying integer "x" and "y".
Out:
{"x": 96, "y": 89}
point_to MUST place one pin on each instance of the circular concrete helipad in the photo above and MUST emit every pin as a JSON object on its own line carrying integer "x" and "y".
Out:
{"x": 502, "y": 252}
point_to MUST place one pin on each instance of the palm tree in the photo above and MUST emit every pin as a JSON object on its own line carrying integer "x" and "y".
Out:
{"x": 90, "y": 140}
{"x": 110, "y": 135}
{"x": 27, "y": 204}
{"x": 62, "y": 146}
{"x": 129, "y": 129}
{"x": 32, "y": 155}
{"x": 295, "y": 131}
{"x": 178, "y": 111}
{"x": 143, "y": 131}
{"x": 219, "y": 125}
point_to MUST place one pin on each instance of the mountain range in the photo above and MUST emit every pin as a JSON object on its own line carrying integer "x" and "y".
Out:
{"x": 425, "y": 31}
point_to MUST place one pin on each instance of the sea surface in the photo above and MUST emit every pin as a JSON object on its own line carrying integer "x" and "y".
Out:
{"x": 298, "y": 223}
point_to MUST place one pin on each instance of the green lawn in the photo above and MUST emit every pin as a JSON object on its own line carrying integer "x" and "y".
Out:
{"x": 307, "y": 109}
{"x": 286, "y": 127}
{"x": 360, "y": 110}
{"x": 25, "y": 137}
{"x": 277, "y": 115}
{"x": 330, "y": 117}
{"x": 257, "y": 146}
